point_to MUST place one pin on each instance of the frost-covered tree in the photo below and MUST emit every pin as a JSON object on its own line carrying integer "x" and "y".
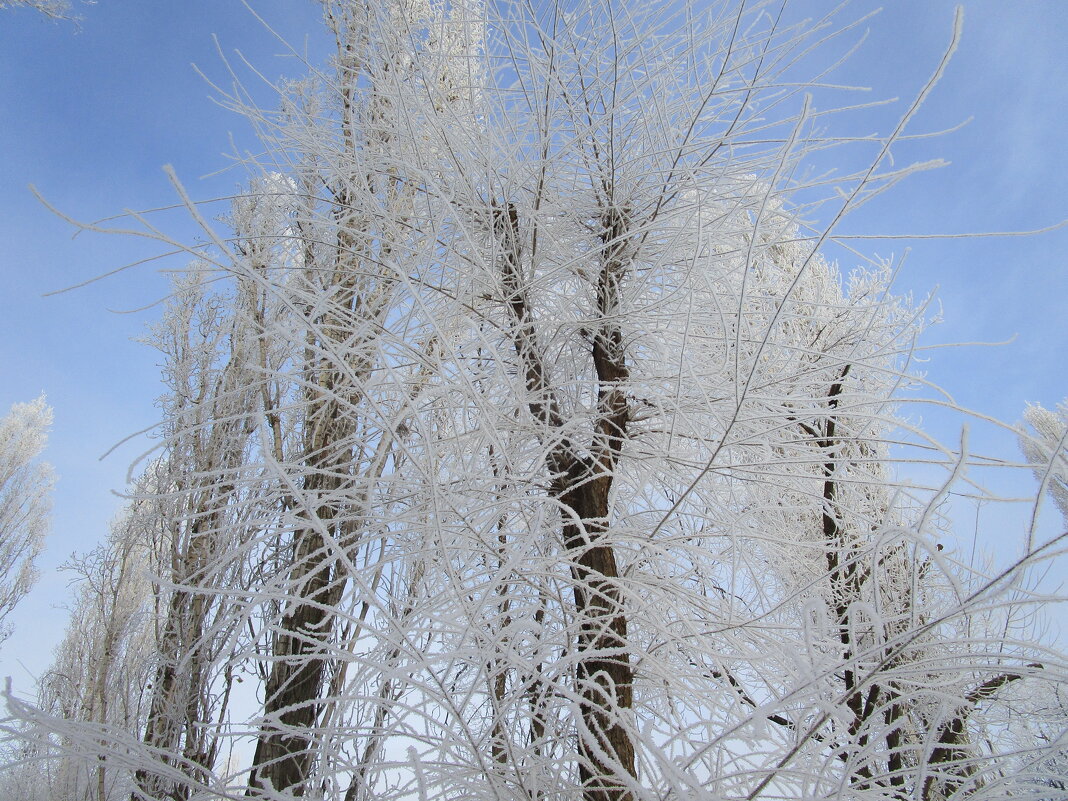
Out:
{"x": 354, "y": 214}
{"x": 198, "y": 488}
{"x": 99, "y": 683}
{"x": 529, "y": 446}
{"x": 145, "y": 655}
{"x": 915, "y": 664}
{"x": 1044, "y": 441}
{"x": 25, "y": 500}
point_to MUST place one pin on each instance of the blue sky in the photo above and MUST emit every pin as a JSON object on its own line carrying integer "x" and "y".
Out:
{"x": 90, "y": 113}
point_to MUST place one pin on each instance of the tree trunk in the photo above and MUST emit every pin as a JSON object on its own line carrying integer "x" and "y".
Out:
{"x": 605, "y": 676}
{"x": 286, "y": 749}
{"x": 583, "y": 485}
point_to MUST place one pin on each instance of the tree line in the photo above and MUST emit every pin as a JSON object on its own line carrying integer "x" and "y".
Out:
{"x": 519, "y": 440}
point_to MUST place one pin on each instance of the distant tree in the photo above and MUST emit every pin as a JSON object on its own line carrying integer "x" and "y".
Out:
{"x": 25, "y": 500}
{"x": 99, "y": 682}
{"x": 1044, "y": 440}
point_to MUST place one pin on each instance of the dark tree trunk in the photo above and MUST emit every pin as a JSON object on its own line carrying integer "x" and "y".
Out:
{"x": 286, "y": 749}
{"x": 287, "y": 746}
{"x": 605, "y": 676}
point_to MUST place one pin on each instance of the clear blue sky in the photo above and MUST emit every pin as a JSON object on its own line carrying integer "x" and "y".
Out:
{"x": 89, "y": 114}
